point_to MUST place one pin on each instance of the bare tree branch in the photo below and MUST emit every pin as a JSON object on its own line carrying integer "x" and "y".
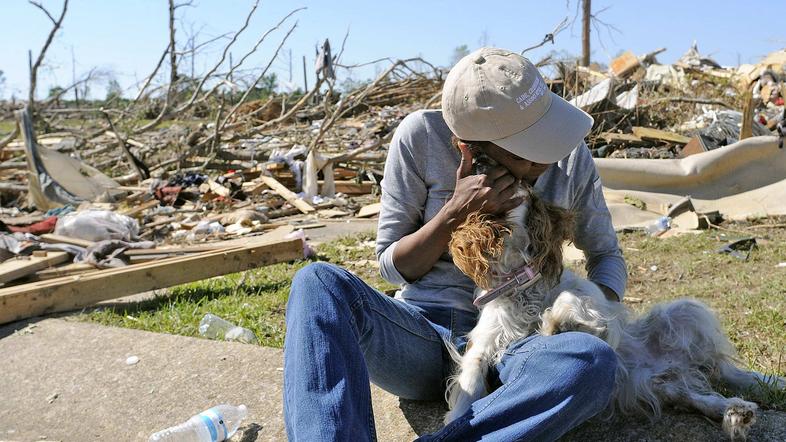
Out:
{"x": 138, "y": 166}
{"x": 34, "y": 68}
{"x": 10, "y": 137}
{"x": 221, "y": 60}
{"x": 87, "y": 78}
{"x": 337, "y": 58}
{"x": 172, "y": 71}
{"x": 550, "y": 36}
{"x": 152, "y": 75}
{"x": 259, "y": 78}
{"x": 232, "y": 69}
{"x": 41, "y": 7}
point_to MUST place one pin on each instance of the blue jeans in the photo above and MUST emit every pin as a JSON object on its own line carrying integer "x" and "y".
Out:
{"x": 341, "y": 334}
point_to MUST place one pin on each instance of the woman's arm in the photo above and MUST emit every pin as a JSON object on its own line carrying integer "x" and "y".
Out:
{"x": 595, "y": 233}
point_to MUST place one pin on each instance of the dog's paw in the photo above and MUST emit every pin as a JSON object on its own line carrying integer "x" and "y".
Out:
{"x": 738, "y": 418}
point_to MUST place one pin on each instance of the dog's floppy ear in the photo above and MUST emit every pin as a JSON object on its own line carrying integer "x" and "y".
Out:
{"x": 548, "y": 226}
{"x": 476, "y": 241}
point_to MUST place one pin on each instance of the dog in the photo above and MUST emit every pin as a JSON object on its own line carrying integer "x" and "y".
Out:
{"x": 671, "y": 356}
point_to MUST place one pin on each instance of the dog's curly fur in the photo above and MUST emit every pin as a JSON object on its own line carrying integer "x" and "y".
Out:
{"x": 673, "y": 355}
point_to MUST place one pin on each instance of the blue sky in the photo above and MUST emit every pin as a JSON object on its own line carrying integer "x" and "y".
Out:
{"x": 127, "y": 37}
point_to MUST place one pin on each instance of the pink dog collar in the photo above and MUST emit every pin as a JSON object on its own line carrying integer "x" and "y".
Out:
{"x": 522, "y": 279}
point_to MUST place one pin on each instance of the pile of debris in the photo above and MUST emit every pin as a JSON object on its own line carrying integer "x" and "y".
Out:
{"x": 287, "y": 163}
{"x": 68, "y": 227}
{"x": 643, "y": 109}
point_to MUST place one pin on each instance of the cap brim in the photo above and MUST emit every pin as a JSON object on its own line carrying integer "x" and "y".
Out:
{"x": 553, "y": 136}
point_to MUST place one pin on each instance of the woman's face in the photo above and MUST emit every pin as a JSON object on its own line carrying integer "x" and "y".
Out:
{"x": 520, "y": 168}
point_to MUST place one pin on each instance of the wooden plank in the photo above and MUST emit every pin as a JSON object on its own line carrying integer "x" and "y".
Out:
{"x": 332, "y": 213}
{"x": 747, "y": 115}
{"x": 138, "y": 209}
{"x": 352, "y": 187}
{"x": 253, "y": 188}
{"x": 648, "y": 133}
{"x": 287, "y": 194}
{"x": 60, "y": 271}
{"x": 369, "y": 210}
{"x": 624, "y": 64}
{"x": 616, "y": 138}
{"x": 42, "y": 140}
{"x": 22, "y": 266}
{"x": 74, "y": 292}
{"x": 51, "y": 238}
{"x": 216, "y": 188}
{"x": 245, "y": 241}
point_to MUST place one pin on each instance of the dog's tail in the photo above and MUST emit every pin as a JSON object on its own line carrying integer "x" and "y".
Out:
{"x": 450, "y": 382}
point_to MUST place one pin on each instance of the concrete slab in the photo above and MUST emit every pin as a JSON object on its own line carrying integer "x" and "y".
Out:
{"x": 341, "y": 227}
{"x": 67, "y": 380}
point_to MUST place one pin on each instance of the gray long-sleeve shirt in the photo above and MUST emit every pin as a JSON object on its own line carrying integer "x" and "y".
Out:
{"x": 420, "y": 176}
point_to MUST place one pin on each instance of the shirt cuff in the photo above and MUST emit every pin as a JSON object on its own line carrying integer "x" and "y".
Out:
{"x": 386, "y": 267}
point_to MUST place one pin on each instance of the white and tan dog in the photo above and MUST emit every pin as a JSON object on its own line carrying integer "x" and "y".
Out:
{"x": 671, "y": 356}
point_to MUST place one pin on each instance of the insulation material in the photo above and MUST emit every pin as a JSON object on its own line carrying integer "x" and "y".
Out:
{"x": 744, "y": 179}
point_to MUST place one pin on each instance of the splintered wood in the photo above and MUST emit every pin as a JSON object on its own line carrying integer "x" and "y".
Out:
{"x": 287, "y": 194}
{"x": 22, "y": 266}
{"x": 78, "y": 291}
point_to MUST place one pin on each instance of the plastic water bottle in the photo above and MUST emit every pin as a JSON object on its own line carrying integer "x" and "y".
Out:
{"x": 214, "y": 327}
{"x": 213, "y": 425}
{"x": 659, "y": 226}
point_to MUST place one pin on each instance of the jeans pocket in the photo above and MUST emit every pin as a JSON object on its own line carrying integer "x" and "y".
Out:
{"x": 461, "y": 323}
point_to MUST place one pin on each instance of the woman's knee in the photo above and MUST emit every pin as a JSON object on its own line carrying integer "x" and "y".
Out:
{"x": 316, "y": 284}
{"x": 592, "y": 360}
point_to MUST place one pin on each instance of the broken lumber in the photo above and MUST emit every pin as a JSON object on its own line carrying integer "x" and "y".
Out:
{"x": 51, "y": 238}
{"x": 616, "y": 138}
{"x": 22, "y": 266}
{"x": 137, "y": 210}
{"x": 369, "y": 210}
{"x": 74, "y": 292}
{"x": 216, "y": 188}
{"x": 352, "y": 187}
{"x": 624, "y": 64}
{"x": 287, "y": 194}
{"x": 747, "y": 115}
{"x": 647, "y": 133}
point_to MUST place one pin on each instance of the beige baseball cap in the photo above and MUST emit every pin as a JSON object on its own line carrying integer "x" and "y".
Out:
{"x": 499, "y": 96}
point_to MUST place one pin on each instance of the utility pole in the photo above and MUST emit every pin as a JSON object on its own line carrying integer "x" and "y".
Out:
{"x": 231, "y": 65}
{"x": 586, "y": 16}
{"x": 290, "y": 65}
{"x": 73, "y": 77}
{"x": 305, "y": 78}
{"x": 31, "y": 93}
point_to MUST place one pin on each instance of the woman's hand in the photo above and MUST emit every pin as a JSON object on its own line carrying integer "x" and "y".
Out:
{"x": 490, "y": 193}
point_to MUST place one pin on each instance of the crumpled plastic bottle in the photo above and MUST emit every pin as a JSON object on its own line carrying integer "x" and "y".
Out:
{"x": 214, "y": 327}
{"x": 213, "y": 425}
{"x": 659, "y": 226}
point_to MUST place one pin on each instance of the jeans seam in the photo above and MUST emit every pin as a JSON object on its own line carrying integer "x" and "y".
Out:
{"x": 353, "y": 306}
{"x": 496, "y": 392}
{"x": 403, "y": 327}
{"x": 452, "y": 324}
{"x": 358, "y": 302}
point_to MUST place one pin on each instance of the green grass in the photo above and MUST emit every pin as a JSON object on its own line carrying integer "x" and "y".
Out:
{"x": 6, "y": 126}
{"x": 749, "y": 296}
{"x": 254, "y": 299}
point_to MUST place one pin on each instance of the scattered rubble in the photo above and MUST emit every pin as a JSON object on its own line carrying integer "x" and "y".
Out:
{"x": 74, "y": 201}
{"x": 643, "y": 109}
